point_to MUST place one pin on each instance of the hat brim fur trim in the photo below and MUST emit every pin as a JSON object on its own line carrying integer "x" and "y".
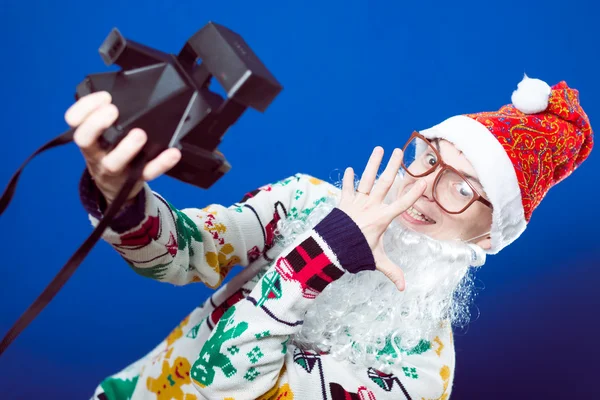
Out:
{"x": 495, "y": 171}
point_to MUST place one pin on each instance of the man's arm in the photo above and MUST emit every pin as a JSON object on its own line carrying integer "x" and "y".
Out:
{"x": 247, "y": 355}
{"x": 162, "y": 242}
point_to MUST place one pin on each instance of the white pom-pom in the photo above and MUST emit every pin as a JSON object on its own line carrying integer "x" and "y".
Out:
{"x": 531, "y": 96}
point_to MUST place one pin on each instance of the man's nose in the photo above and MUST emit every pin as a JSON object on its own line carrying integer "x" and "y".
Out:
{"x": 430, "y": 180}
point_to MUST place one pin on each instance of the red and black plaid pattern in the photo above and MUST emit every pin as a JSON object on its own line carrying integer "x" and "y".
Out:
{"x": 308, "y": 265}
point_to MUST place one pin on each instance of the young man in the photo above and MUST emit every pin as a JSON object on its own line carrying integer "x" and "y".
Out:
{"x": 345, "y": 294}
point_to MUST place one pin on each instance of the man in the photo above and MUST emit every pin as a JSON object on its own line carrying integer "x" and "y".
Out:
{"x": 345, "y": 294}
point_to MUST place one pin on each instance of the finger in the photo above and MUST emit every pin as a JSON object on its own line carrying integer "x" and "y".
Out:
{"x": 370, "y": 173}
{"x": 161, "y": 164}
{"x": 392, "y": 272}
{"x": 407, "y": 200}
{"x": 118, "y": 159}
{"x": 87, "y": 134}
{"x": 348, "y": 184}
{"x": 385, "y": 181}
{"x": 79, "y": 111}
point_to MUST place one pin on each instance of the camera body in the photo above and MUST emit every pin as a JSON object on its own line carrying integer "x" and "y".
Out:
{"x": 169, "y": 96}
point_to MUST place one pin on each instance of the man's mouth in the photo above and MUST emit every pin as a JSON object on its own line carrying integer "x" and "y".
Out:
{"x": 416, "y": 217}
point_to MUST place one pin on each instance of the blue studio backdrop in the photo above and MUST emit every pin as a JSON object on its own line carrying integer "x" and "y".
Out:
{"x": 356, "y": 74}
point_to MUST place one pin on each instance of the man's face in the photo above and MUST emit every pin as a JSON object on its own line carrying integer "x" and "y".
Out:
{"x": 474, "y": 222}
{"x": 355, "y": 315}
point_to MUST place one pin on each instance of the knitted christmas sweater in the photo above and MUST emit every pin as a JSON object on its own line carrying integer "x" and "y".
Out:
{"x": 236, "y": 345}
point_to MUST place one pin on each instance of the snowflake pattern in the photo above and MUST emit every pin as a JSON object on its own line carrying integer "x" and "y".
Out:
{"x": 255, "y": 354}
{"x": 252, "y": 374}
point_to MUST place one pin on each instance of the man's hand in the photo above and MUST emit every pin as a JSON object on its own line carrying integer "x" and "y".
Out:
{"x": 366, "y": 207}
{"x": 94, "y": 113}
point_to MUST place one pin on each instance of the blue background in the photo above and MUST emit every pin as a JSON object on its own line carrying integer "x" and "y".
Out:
{"x": 356, "y": 75}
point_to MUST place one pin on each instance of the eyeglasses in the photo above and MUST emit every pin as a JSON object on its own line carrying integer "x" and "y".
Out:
{"x": 453, "y": 190}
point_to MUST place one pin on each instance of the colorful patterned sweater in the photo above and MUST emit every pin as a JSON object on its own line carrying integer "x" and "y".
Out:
{"x": 235, "y": 346}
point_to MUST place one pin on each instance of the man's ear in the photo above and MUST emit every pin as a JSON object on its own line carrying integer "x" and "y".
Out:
{"x": 485, "y": 243}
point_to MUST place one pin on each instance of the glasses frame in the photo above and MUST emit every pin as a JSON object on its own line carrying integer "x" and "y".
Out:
{"x": 440, "y": 163}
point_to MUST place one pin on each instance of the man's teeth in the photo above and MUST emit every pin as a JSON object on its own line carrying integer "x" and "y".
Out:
{"x": 418, "y": 216}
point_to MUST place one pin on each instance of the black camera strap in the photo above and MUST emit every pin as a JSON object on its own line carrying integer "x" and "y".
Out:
{"x": 135, "y": 172}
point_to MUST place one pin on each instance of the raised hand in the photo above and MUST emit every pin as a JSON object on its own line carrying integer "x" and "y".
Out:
{"x": 91, "y": 115}
{"x": 366, "y": 207}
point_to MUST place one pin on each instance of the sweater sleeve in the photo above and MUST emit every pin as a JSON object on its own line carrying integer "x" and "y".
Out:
{"x": 180, "y": 246}
{"x": 247, "y": 355}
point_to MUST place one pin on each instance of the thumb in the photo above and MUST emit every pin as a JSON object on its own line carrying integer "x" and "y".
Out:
{"x": 392, "y": 272}
{"x": 407, "y": 200}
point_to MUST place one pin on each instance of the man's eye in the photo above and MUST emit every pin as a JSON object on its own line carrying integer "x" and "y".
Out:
{"x": 431, "y": 159}
{"x": 464, "y": 190}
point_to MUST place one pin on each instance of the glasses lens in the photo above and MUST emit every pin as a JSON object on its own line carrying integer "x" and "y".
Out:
{"x": 453, "y": 192}
{"x": 419, "y": 157}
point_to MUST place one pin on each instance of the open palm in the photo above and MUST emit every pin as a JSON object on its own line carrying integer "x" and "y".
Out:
{"x": 366, "y": 207}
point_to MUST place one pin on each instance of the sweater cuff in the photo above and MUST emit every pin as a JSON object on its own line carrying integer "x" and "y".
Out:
{"x": 130, "y": 216}
{"x": 347, "y": 241}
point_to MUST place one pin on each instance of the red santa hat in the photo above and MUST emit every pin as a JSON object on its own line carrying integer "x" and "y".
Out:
{"x": 521, "y": 150}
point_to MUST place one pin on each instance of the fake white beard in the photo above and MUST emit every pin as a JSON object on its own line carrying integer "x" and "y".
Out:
{"x": 354, "y": 316}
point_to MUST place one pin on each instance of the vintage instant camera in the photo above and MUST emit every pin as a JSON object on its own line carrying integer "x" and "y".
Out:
{"x": 170, "y": 98}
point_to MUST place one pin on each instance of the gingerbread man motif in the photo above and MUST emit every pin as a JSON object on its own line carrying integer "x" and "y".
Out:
{"x": 211, "y": 357}
{"x": 168, "y": 385}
